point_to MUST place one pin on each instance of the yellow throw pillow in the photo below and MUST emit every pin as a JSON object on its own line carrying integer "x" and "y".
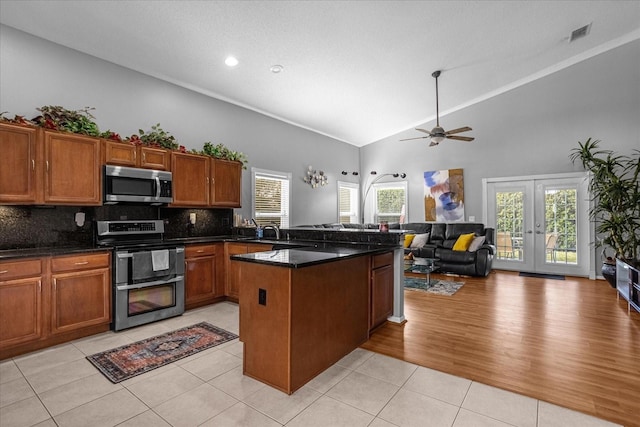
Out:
{"x": 463, "y": 242}
{"x": 408, "y": 238}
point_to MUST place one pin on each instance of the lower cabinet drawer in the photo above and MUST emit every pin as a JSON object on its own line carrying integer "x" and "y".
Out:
{"x": 382, "y": 260}
{"x": 10, "y": 270}
{"x": 79, "y": 262}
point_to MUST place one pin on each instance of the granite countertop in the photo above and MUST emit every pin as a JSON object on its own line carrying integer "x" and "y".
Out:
{"x": 48, "y": 251}
{"x": 307, "y": 256}
{"x": 335, "y": 249}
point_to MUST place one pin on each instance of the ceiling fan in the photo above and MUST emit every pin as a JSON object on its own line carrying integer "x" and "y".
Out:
{"x": 438, "y": 134}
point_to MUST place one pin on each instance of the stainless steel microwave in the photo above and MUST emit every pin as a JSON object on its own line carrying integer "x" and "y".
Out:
{"x": 135, "y": 185}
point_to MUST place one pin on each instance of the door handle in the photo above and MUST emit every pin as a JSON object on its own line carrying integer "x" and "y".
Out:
{"x": 539, "y": 232}
{"x": 529, "y": 231}
{"x": 157, "y": 187}
{"x": 125, "y": 286}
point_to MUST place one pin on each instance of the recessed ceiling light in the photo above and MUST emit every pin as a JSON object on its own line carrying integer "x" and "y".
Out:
{"x": 231, "y": 61}
{"x": 276, "y": 69}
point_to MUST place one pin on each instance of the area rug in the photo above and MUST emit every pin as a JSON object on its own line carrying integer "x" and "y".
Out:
{"x": 129, "y": 360}
{"x": 440, "y": 287}
{"x": 542, "y": 275}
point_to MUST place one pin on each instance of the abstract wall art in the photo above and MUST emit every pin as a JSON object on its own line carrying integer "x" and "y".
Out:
{"x": 444, "y": 195}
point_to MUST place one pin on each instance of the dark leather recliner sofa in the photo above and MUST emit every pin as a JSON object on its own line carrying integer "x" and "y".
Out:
{"x": 442, "y": 237}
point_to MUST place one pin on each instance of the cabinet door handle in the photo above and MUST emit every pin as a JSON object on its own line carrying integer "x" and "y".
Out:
{"x": 213, "y": 180}
{"x": 82, "y": 263}
{"x": 39, "y": 286}
{"x": 4, "y": 271}
{"x": 55, "y": 284}
{"x": 144, "y": 157}
{"x": 33, "y": 164}
{"x": 47, "y": 165}
{"x": 200, "y": 251}
{"x": 135, "y": 155}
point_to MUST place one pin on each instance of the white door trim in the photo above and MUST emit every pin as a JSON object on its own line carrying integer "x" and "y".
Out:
{"x": 572, "y": 175}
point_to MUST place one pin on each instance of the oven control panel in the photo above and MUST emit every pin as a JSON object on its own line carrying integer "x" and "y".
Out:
{"x": 110, "y": 228}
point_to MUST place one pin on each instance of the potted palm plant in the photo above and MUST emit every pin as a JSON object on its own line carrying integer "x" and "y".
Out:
{"x": 615, "y": 191}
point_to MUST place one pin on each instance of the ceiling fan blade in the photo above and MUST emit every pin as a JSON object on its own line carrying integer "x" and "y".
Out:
{"x": 424, "y": 130}
{"x": 464, "y": 129}
{"x": 409, "y": 139}
{"x": 461, "y": 138}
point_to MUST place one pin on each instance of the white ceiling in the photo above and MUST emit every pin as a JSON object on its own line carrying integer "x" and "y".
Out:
{"x": 357, "y": 71}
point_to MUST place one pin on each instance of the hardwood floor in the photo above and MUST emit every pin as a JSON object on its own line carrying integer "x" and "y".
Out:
{"x": 568, "y": 342}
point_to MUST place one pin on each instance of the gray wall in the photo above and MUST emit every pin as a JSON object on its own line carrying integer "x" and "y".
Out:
{"x": 526, "y": 131}
{"x": 529, "y": 130}
{"x": 35, "y": 72}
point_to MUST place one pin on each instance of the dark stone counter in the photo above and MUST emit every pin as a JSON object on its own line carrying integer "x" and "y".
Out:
{"x": 311, "y": 255}
{"x": 336, "y": 243}
{"x": 48, "y": 251}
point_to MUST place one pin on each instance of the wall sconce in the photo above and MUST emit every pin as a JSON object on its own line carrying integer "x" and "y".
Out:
{"x": 352, "y": 173}
{"x": 315, "y": 178}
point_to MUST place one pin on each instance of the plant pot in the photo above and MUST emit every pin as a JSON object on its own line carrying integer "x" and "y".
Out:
{"x": 609, "y": 273}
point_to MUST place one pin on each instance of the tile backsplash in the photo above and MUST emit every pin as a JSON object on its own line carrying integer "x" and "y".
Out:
{"x": 46, "y": 226}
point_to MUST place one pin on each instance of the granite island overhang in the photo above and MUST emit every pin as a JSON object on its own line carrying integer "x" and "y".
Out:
{"x": 303, "y": 309}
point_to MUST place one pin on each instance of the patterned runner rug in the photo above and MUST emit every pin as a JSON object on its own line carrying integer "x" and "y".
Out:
{"x": 129, "y": 360}
{"x": 435, "y": 286}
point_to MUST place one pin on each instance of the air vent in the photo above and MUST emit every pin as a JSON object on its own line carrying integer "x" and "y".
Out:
{"x": 579, "y": 33}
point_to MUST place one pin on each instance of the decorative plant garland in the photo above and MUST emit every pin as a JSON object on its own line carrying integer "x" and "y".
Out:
{"x": 82, "y": 122}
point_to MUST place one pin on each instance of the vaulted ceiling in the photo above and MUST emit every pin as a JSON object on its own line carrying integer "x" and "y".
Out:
{"x": 357, "y": 71}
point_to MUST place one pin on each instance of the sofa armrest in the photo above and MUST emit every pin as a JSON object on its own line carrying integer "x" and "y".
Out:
{"x": 490, "y": 248}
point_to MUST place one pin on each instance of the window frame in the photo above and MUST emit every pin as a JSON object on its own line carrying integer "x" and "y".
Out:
{"x": 354, "y": 189}
{"x": 285, "y": 212}
{"x": 389, "y": 185}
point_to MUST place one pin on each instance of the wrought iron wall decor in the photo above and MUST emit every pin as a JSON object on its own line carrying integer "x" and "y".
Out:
{"x": 315, "y": 178}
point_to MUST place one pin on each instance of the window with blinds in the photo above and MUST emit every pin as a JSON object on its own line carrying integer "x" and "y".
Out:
{"x": 271, "y": 197}
{"x": 390, "y": 201}
{"x": 348, "y": 202}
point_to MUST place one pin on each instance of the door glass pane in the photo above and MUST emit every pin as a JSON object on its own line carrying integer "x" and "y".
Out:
{"x": 509, "y": 228}
{"x": 560, "y": 226}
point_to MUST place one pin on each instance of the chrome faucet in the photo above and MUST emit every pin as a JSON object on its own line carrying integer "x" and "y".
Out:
{"x": 275, "y": 228}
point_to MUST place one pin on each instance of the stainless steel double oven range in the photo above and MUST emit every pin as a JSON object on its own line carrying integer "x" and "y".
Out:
{"x": 148, "y": 273}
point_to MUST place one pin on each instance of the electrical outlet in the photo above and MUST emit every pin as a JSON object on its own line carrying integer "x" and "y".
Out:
{"x": 262, "y": 296}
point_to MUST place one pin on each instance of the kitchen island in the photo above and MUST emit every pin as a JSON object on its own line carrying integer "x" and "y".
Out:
{"x": 302, "y": 310}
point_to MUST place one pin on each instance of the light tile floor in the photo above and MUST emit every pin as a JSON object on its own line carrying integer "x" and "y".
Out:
{"x": 58, "y": 386}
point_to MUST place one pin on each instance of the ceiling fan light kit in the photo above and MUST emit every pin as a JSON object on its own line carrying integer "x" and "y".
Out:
{"x": 438, "y": 134}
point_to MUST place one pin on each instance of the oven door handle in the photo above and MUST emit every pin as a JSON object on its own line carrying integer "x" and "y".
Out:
{"x": 147, "y": 284}
{"x": 179, "y": 249}
{"x": 157, "y": 188}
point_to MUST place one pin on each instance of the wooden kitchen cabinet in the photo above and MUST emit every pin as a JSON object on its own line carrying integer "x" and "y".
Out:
{"x": 49, "y": 167}
{"x": 190, "y": 179}
{"x": 226, "y": 181}
{"x": 50, "y": 300}
{"x": 202, "y": 181}
{"x": 72, "y": 166}
{"x": 204, "y": 265}
{"x": 232, "y": 284}
{"x": 19, "y": 175}
{"x": 81, "y": 292}
{"x": 21, "y": 309}
{"x": 297, "y": 322}
{"x": 381, "y": 289}
{"x": 136, "y": 156}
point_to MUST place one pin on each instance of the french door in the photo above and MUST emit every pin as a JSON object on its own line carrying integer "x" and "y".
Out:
{"x": 541, "y": 223}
